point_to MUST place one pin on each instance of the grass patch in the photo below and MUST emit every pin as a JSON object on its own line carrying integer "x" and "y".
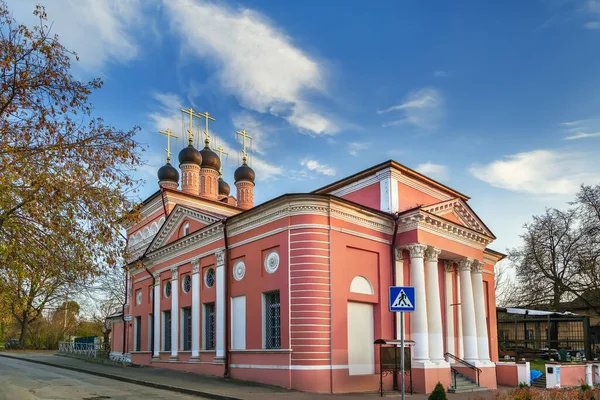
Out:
{"x": 538, "y": 365}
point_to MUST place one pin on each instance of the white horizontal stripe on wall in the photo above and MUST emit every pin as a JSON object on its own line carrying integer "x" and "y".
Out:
{"x": 292, "y": 367}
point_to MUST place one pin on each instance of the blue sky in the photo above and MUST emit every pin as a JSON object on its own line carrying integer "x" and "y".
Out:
{"x": 498, "y": 100}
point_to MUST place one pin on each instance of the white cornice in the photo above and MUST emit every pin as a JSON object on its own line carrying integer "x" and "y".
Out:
{"x": 177, "y": 198}
{"x": 441, "y": 227}
{"x": 354, "y": 186}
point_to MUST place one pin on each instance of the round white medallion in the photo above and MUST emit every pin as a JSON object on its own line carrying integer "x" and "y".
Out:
{"x": 239, "y": 270}
{"x": 272, "y": 262}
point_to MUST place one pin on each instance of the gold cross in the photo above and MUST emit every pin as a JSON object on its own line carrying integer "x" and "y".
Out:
{"x": 244, "y": 136}
{"x": 221, "y": 151}
{"x": 169, "y": 136}
{"x": 192, "y": 114}
{"x": 206, "y": 116}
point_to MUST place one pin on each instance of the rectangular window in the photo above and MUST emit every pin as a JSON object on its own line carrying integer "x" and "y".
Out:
{"x": 167, "y": 330}
{"x": 150, "y": 331}
{"x": 138, "y": 333}
{"x": 272, "y": 327}
{"x": 209, "y": 326}
{"x": 186, "y": 328}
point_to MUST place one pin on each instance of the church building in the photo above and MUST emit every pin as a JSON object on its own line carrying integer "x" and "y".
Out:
{"x": 294, "y": 291}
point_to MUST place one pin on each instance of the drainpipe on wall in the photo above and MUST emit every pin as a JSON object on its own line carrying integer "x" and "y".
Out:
{"x": 226, "y": 305}
{"x": 396, "y": 216}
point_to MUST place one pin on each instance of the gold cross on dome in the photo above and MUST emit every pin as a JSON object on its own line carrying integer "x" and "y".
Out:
{"x": 221, "y": 151}
{"x": 192, "y": 114}
{"x": 244, "y": 136}
{"x": 206, "y": 116}
{"x": 169, "y": 136}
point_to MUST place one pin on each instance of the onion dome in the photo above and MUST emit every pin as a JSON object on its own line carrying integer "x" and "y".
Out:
{"x": 244, "y": 173}
{"x": 190, "y": 155}
{"x": 168, "y": 173}
{"x": 210, "y": 159}
{"x": 223, "y": 187}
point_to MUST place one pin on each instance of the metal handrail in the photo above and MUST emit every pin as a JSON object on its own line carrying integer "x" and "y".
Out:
{"x": 460, "y": 360}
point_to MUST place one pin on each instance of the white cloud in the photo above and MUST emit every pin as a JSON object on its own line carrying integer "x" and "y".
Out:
{"x": 440, "y": 74}
{"x": 355, "y": 147}
{"x": 422, "y": 108}
{"x": 98, "y": 31}
{"x": 592, "y": 25}
{"x": 253, "y": 60}
{"x": 314, "y": 165}
{"x": 168, "y": 115}
{"x": 435, "y": 171}
{"x": 543, "y": 172}
{"x": 582, "y": 129}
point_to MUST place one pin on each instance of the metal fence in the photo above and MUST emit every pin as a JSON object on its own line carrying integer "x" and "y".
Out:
{"x": 84, "y": 349}
{"x": 532, "y": 334}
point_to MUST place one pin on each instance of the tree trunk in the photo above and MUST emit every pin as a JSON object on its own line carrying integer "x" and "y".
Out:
{"x": 24, "y": 324}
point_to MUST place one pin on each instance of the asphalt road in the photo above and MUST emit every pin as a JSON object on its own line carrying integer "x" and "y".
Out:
{"x": 22, "y": 380}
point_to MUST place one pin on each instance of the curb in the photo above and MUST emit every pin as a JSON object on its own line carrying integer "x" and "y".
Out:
{"x": 131, "y": 380}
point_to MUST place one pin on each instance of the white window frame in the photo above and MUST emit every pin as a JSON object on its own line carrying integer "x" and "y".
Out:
{"x": 186, "y": 229}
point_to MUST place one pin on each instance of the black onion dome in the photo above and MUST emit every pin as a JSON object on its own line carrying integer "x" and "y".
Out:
{"x": 190, "y": 155}
{"x": 223, "y": 187}
{"x": 210, "y": 159}
{"x": 168, "y": 173}
{"x": 244, "y": 173}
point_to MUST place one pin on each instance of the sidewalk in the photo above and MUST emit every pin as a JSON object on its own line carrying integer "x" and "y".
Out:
{"x": 203, "y": 385}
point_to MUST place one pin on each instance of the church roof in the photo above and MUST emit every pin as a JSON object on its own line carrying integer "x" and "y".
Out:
{"x": 395, "y": 165}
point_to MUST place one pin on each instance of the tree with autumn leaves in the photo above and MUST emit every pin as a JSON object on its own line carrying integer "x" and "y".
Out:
{"x": 65, "y": 175}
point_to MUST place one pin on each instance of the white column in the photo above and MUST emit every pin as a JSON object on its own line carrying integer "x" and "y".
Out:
{"x": 480, "y": 323}
{"x": 418, "y": 318}
{"x": 434, "y": 306}
{"x": 468, "y": 312}
{"x": 220, "y": 306}
{"x": 399, "y": 282}
{"x": 156, "y": 316}
{"x": 195, "y": 308}
{"x": 459, "y": 331}
{"x": 174, "y": 313}
{"x": 449, "y": 267}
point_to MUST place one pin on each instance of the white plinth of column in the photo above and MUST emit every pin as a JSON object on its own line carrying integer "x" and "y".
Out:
{"x": 156, "y": 315}
{"x": 480, "y": 322}
{"x": 399, "y": 282}
{"x": 195, "y": 308}
{"x": 434, "y": 306}
{"x": 468, "y": 312}
{"x": 174, "y": 313}
{"x": 449, "y": 267}
{"x": 220, "y": 306}
{"x": 418, "y": 318}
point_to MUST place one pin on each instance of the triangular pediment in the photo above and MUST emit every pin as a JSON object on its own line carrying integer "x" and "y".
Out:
{"x": 457, "y": 210}
{"x": 174, "y": 221}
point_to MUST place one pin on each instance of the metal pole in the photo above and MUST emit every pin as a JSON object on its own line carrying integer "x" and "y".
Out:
{"x": 402, "y": 353}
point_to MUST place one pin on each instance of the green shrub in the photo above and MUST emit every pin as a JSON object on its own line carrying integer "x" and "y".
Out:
{"x": 439, "y": 393}
{"x": 585, "y": 387}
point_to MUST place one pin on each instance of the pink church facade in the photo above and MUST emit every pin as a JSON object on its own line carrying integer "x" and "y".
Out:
{"x": 293, "y": 292}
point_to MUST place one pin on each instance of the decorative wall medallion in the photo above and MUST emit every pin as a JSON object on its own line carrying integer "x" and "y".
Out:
{"x": 239, "y": 270}
{"x": 209, "y": 278}
{"x": 272, "y": 262}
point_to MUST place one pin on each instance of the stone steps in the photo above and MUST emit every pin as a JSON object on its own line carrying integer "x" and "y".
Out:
{"x": 462, "y": 384}
{"x": 540, "y": 382}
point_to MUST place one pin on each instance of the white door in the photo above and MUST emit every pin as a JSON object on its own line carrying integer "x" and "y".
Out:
{"x": 361, "y": 353}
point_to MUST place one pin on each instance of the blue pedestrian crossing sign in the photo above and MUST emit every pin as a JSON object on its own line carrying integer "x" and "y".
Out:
{"x": 402, "y": 299}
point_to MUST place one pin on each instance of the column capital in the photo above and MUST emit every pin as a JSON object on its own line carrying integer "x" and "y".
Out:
{"x": 399, "y": 254}
{"x": 156, "y": 275}
{"x": 465, "y": 264}
{"x": 449, "y": 265}
{"x": 174, "y": 273}
{"x": 416, "y": 250}
{"x": 432, "y": 254}
{"x": 195, "y": 266}
{"x": 220, "y": 257}
{"x": 477, "y": 267}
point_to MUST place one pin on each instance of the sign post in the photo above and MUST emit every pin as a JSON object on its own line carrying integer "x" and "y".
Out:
{"x": 402, "y": 299}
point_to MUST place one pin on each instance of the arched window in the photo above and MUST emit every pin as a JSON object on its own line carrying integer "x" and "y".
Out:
{"x": 361, "y": 285}
{"x": 186, "y": 229}
{"x": 161, "y": 221}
